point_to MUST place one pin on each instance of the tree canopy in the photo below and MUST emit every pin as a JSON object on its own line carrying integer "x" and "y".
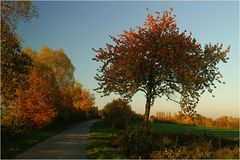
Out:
{"x": 14, "y": 64}
{"x": 14, "y": 11}
{"x": 159, "y": 60}
{"x": 61, "y": 65}
{"x": 37, "y": 88}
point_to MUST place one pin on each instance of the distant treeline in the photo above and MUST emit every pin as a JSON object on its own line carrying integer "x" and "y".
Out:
{"x": 221, "y": 122}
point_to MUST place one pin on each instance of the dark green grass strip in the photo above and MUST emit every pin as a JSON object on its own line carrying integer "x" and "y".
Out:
{"x": 99, "y": 143}
{"x": 178, "y": 128}
{"x": 12, "y": 145}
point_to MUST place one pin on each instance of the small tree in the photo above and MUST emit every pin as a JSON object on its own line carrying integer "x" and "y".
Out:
{"x": 159, "y": 60}
{"x": 117, "y": 114}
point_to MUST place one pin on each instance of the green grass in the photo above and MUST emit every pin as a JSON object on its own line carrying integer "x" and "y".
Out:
{"x": 178, "y": 128}
{"x": 99, "y": 145}
{"x": 12, "y": 145}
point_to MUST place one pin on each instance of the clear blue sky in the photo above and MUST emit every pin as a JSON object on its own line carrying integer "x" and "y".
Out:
{"x": 79, "y": 26}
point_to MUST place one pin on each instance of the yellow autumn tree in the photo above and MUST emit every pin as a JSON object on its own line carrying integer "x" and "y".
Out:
{"x": 82, "y": 99}
{"x": 86, "y": 102}
{"x": 60, "y": 64}
{"x": 51, "y": 91}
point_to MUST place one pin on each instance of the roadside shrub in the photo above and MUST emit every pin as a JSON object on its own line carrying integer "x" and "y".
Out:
{"x": 227, "y": 153}
{"x": 146, "y": 143}
{"x": 196, "y": 151}
{"x": 200, "y": 146}
{"x": 117, "y": 114}
{"x": 11, "y": 121}
{"x": 137, "y": 116}
{"x": 136, "y": 143}
{"x": 68, "y": 114}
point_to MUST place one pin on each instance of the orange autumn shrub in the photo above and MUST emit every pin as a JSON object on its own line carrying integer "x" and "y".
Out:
{"x": 34, "y": 106}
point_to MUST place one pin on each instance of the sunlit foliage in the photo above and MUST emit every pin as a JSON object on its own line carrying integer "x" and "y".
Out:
{"x": 74, "y": 100}
{"x": 34, "y": 106}
{"x": 36, "y": 88}
{"x": 228, "y": 122}
{"x": 222, "y": 121}
{"x": 85, "y": 102}
{"x": 61, "y": 65}
{"x": 14, "y": 64}
{"x": 49, "y": 93}
{"x": 14, "y": 11}
{"x": 159, "y": 60}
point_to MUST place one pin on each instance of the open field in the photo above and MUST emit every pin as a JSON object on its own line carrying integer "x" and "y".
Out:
{"x": 178, "y": 128}
{"x": 99, "y": 144}
{"x": 163, "y": 127}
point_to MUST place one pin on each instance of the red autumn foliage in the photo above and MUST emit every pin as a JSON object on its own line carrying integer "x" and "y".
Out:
{"x": 159, "y": 60}
{"x": 34, "y": 106}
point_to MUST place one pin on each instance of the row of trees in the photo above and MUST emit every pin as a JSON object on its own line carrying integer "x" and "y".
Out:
{"x": 222, "y": 121}
{"x": 36, "y": 88}
{"x": 47, "y": 92}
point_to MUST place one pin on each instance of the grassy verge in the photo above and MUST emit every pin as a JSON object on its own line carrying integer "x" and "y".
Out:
{"x": 12, "y": 145}
{"x": 99, "y": 145}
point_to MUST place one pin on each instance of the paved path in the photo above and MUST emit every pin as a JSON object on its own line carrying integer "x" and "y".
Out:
{"x": 70, "y": 144}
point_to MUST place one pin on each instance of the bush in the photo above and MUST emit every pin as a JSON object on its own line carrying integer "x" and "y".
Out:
{"x": 227, "y": 153}
{"x": 196, "y": 151}
{"x": 93, "y": 113}
{"x": 201, "y": 146}
{"x": 146, "y": 143}
{"x": 69, "y": 114}
{"x": 117, "y": 114}
{"x": 11, "y": 121}
{"x": 136, "y": 143}
{"x": 137, "y": 116}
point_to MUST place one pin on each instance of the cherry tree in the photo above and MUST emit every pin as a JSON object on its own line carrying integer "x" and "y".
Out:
{"x": 159, "y": 60}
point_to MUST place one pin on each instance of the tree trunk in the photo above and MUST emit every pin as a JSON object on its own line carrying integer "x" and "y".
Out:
{"x": 147, "y": 111}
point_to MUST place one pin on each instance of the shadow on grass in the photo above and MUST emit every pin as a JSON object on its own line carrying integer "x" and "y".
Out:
{"x": 99, "y": 145}
{"x": 14, "y": 144}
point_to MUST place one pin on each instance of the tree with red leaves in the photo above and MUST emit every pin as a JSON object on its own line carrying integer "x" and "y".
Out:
{"x": 159, "y": 60}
